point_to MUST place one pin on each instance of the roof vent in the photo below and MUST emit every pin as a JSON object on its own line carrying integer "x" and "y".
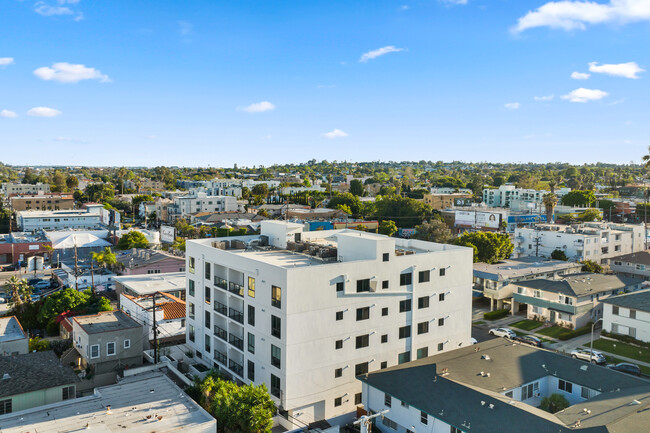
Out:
{"x": 491, "y": 406}
{"x": 6, "y": 376}
{"x": 635, "y": 402}
{"x": 486, "y": 357}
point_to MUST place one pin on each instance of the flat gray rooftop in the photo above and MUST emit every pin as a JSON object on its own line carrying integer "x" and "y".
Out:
{"x": 106, "y": 321}
{"x": 10, "y": 329}
{"x": 521, "y": 267}
{"x": 151, "y": 283}
{"x": 142, "y": 403}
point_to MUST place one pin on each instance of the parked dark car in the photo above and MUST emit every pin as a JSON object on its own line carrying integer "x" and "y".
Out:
{"x": 528, "y": 339}
{"x": 7, "y": 268}
{"x": 626, "y": 367}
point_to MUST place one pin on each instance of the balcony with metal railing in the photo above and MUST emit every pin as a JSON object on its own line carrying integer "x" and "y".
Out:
{"x": 237, "y": 289}
{"x": 236, "y": 341}
{"x": 221, "y": 283}
{"x": 236, "y": 315}
{"x": 221, "y": 308}
{"x": 220, "y": 333}
{"x": 236, "y": 368}
{"x": 220, "y": 357}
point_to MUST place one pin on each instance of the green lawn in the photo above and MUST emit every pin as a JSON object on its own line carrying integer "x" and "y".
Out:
{"x": 623, "y": 349}
{"x": 552, "y": 331}
{"x": 479, "y": 322}
{"x": 527, "y": 325}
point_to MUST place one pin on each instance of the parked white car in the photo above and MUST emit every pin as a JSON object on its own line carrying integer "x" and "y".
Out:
{"x": 503, "y": 332}
{"x": 594, "y": 356}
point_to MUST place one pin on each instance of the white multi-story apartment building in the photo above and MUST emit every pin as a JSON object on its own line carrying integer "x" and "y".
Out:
{"x": 92, "y": 216}
{"x": 628, "y": 314}
{"x": 589, "y": 241}
{"x": 518, "y": 198}
{"x": 200, "y": 202}
{"x": 25, "y": 188}
{"x": 307, "y": 312}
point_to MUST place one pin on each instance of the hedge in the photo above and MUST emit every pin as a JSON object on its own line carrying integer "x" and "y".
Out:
{"x": 575, "y": 333}
{"x": 496, "y": 314}
{"x": 625, "y": 339}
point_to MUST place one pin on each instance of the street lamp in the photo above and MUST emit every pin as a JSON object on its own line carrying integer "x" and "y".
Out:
{"x": 591, "y": 344}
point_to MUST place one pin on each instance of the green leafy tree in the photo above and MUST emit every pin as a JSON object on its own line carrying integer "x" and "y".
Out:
{"x": 71, "y": 182}
{"x": 550, "y": 201}
{"x": 261, "y": 190}
{"x": 554, "y": 403}
{"x": 60, "y": 302}
{"x": 36, "y": 344}
{"x": 239, "y": 409}
{"x": 559, "y": 255}
{"x": 433, "y": 231}
{"x": 18, "y": 291}
{"x": 132, "y": 239}
{"x": 5, "y": 220}
{"x": 406, "y": 212}
{"x": 387, "y": 227}
{"x": 579, "y": 198}
{"x": 488, "y": 247}
{"x": 347, "y": 199}
{"x": 591, "y": 266}
{"x": 591, "y": 214}
{"x": 100, "y": 192}
{"x": 356, "y": 187}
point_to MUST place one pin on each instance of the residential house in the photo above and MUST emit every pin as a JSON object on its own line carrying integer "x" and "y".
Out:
{"x": 13, "y": 338}
{"x": 33, "y": 379}
{"x": 628, "y": 314}
{"x": 143, "y": 261}
{"x": 572, "y": 301}
{"x": 498, "y": 386}
{"x": 305, "y": 312}
{"x": 107, "y": 341}
{"x": 497, "y": 281}
{"x": 167, "y": 311}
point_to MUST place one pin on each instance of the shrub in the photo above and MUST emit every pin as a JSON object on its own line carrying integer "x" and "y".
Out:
{"x": 554, "y": 403}
{"x": 496, "y": 314}
{"x": 576, "y": 332}
{"x": 625, "y": 339}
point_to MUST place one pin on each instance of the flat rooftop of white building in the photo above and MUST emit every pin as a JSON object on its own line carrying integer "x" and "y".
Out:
{"x": 523, "y": 266}
{"x": 287, "y": 245}
{"x": 56, "y": 213}
{"x": 11, "y": 330}
{"x": 143, "y": 403}
{"x": 151, "y": 283}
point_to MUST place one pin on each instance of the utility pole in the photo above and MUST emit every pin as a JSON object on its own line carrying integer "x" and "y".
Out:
{"x": 155, "y": 332}
{"x": 76, "y": 268}
{"x": 537, "y": 239}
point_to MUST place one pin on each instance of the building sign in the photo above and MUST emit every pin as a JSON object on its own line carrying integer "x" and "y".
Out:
{"x": 34, "y": 247}
{"x": 478, "y": 220}
{"x": 526, "y": 219}
{"x": 462, "y": 202}
{"x": 167, "y": 234}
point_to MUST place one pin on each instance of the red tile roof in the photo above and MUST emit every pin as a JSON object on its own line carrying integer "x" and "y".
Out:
{"x": 173, "y": 310}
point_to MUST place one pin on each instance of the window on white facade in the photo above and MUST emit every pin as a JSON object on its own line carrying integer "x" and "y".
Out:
{"x": 94, "y": 351}
{"x": 110, "y": 348}
{"x": 127, "y": 344}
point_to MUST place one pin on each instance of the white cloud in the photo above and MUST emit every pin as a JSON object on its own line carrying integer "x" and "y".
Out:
{"x": 585, "y": 95}
{"x": 337, "y": 133}
{"x": 4, "y": 61}
{"x": 626, "y": 70}
{"x": 544, "y": 98}
{"x": 68, "y": 73}
{"x": 404, "y": 7}
{"x": 512, "y": 105}
{"x": 454, "y": 2}
{"x": 379, "y": 52}
{"x": 580, "y": 75}
{"x": 572, "y": 15}
{"x": 326, "y": 86}
{"x": 69, "y": 139}
{"x": 7, "y": 114}
{"x": 46, "y": 10}
{"x": 185, "y": 28}
{"x": 258, "y": 107}
{"x": 43, "y": 112}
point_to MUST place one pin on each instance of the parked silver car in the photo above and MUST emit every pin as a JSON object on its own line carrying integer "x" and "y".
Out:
{"x": 503, "y": 332}
{"x": 594, "y": 356}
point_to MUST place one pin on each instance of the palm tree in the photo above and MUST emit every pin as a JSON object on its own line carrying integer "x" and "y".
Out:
{"x": 646, "y": 159}
{"x": 550, "y": 201}
{"x": 104, "y": 259}
{"x": 18, "y": 290}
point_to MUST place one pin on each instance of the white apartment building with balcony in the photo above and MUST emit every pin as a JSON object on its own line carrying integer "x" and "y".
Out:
{"x": 200, "y": 202}
{"x": 518, "y": 199}
{"x": 307, "y": 312}
{"x": 589, "y": 241}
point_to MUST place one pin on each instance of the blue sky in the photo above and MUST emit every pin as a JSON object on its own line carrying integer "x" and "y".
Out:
{"x": 207, "y": 82}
